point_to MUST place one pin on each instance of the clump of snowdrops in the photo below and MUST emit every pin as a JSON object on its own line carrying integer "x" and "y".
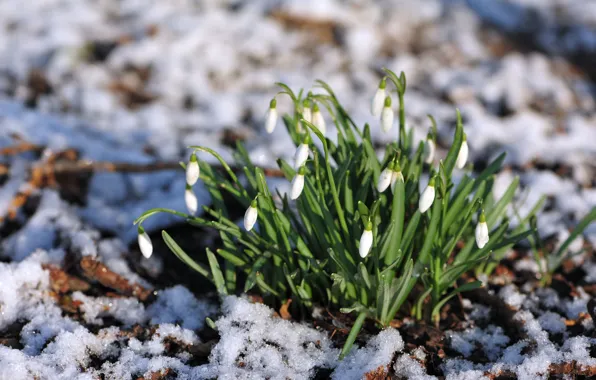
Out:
{"x": 355, "y": 233}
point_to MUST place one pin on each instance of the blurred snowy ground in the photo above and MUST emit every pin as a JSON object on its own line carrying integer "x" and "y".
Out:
{"x": 138, "y": 81}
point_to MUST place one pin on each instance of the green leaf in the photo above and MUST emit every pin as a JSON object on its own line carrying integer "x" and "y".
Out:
{"x": 455, "y": 146}
{"x": 179, "y": 252}
{"x": 464, "y": 288}
{"x": 218, "y": 278}
{"x": 578, "y": 230}
{"x": 364, "y": 275}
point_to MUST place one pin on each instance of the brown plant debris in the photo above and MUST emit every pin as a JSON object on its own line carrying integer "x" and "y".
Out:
{"x": 325, "y": 31}
{"x": 379, "y": 373}
{"x": 97, "y": 271}
{"x": 62, "y": 282}
{"x": 283, "y": 310}
{"x": 571, "y": 368}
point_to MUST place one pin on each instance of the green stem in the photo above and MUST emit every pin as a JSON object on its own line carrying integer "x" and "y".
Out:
{"x": 353, "y": 334}
{"x": 402, "y": 122}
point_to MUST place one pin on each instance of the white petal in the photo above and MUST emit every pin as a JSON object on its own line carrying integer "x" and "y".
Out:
{"x": 192, "y": 172}
{"x": 366, "y": 241}
{"x": 426, "y": 199}
{"x": 301, "y": 155}
{"x": 429, "y": 151}
{"x": 271, "y": 120}
{"x": 297, "y": 186}
{"x": 307, "y": 114}
{"x": 384, "y": 180}
{"x": 319, "y": 121}
{"x": 387, "y": 119}
{"x": 250, "y": 218}
{"x": 145, "y": 245}
{"x": 462, "y": 156}
{"x": 378, "y": 102}
{"x": 395, "y": 176}
{"x": 481, "y": 235}
{"x": 192, "y": 203}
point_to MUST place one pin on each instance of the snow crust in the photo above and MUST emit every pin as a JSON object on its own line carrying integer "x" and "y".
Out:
{"x": 205, "y": 82}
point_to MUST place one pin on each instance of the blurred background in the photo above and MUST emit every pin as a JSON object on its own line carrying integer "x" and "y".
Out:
{"x": 138, "y": 81}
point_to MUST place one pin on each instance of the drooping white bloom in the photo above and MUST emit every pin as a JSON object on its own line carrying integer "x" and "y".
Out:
{"x": 366, "y": 240}
{"x": 387, "y": 115}
{"x": 192, "y": 170}
{"x": 481, "y": 232}
{"x": 306, "y": 111}
{"x": 378, "y": 99}
{"x": 428, "y": 196}
{"x": 192, "y": 203}
{"x": 250, "y": 216}
{"x": 429, "y": 150}
{"x": 144, "y": 243}
{"x": 462, "y": 156}
{"x": 271, "y": 119}
{"x": 385, "y": 179}
{"x": 318, "y": 120}
{"x": 297, "y": 183}
{"x": 301, "y": 155}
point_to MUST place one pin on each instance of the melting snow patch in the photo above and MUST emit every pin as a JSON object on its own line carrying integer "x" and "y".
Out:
{"x": 378, "y": 352}
{"x": 179, "y": 305}
{"x": 254, "y": 344}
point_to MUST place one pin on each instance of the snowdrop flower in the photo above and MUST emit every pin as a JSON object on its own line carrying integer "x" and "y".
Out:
{"x": 366, "y": 240}
{"x": 192, "y": 204}
{"x": 250, "y": 216}
{"x": 428, "y": 196}
{"x": 396, "y": 175}
{"x": 144, "y": 242}
{"x": 462, "y": 156}
{"x": 429, "y": 149}
{"x": 192, "y": 170}
{"x": 271, "y": 119}
{"x": 306, "y": 111}
{"x": 377, "y": 102}
{"x": 297, "y": 183}
{"x": 306, "y": 115}
{"x": 481, "y": 232}
{"x": 385, "y": 178}
{"x": 301, "y": 154}
{"x": 387, "y": 115}
{"x": 318, "y": 120}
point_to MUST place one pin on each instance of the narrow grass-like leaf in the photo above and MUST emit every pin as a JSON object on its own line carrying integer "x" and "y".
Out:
{"x": 179, "y": 252}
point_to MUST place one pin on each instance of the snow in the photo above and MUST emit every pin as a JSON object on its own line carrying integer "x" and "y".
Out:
{"x": 211, "y": 67}
{"x": 491, "y": 340}
{"x": 378, "y": 353}
{"x": 178, "y": 305}
{"x": 254, "y": 344}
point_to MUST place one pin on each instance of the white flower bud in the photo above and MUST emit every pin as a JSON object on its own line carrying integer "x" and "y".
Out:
{"x": 385, "y": 179}
{"x": 297, "y": 184}
{"x": 307, "y": 114}
{"x": 144, "y": 243}
{"x": 366, "y": 241}
{"x": 250, "y": 216}
{"x": 481, "y": 232}
{"x": 192, "y": 170}
{"x": 271, "y": 119}
{"x": 428, "y": 196}
{"x": 462, "y": 156}
{"x": 318, "y": 120}
{"x": 192, "y": 203}
{"x": 387, "y": 115}
{"x": 378, "y": 99}
{"x": 429, "y": 150}
{"x": 301, "y": 155}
